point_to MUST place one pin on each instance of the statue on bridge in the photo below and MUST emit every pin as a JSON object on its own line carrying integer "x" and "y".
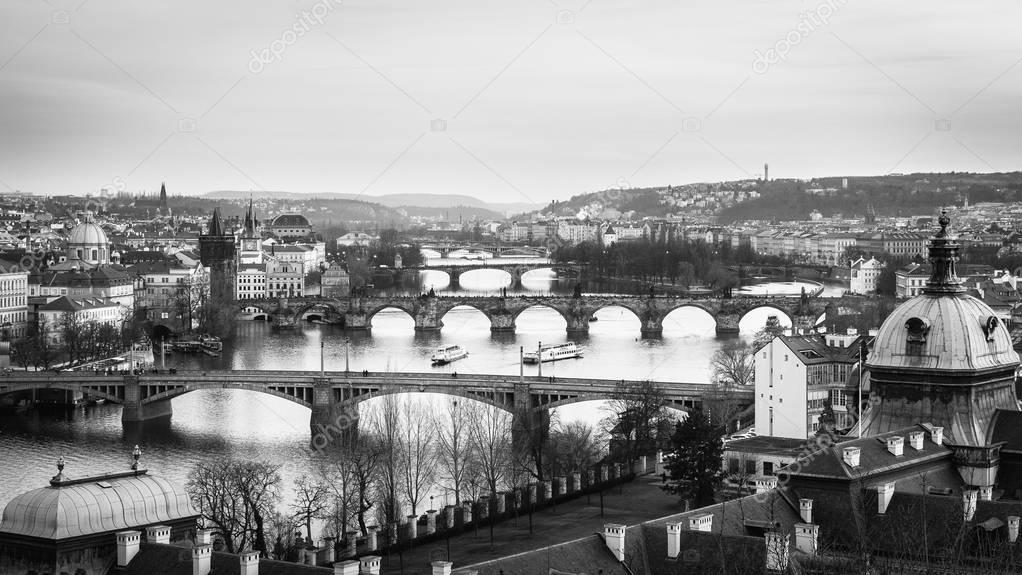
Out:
{"x": 578, "y": 291}
{"x": 431, "y": 293}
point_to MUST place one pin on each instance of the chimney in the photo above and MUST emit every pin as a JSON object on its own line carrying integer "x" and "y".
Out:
{"x": 249, "y": 563}
{"x": 614, "y": 535}
{"x": 915, "y": 439}
{"x": 764, "y": 484}
{"x": 673, "y": 540}
{"x": 896, "y": 445}
{"x": 884, "y": 493}
{"x": 805, "y": 508}
{"x": 937, "y": 435}
{"x": 350, "y": 567}
{"x": 370, "y": 565}
{"x": 986, "y": 492}
{"x": 776, "y": 551}
{"x": 851, "y": 456}
{"x": 806, "y": 535}
{"x": 158, "y": 534}
{"x": 969, "y": 497}
{"x": 203, "y": 536}
{"x": 441, "y": 567}
{"x": 127, "y": 546}
{"x": 1012, "y": 528}
{"x": 202, "y": 556}
{"x": 701, "y": 522}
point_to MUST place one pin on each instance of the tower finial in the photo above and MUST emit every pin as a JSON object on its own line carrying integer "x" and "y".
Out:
{"x": 943, "y": 256}
{"x": 135, "y": 455}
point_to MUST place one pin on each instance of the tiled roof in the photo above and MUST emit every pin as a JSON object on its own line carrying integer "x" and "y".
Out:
{"x": 586, "y": 555}
{"x": 65, "y": 303}
{"x": 874, "y": 458}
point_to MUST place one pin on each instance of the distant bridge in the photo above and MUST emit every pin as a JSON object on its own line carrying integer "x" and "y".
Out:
{"x": 334, "y": 396}
{"x": 445, "y": 249}
{"x": 514, "y": 269}
{"x": 357, "y": 312}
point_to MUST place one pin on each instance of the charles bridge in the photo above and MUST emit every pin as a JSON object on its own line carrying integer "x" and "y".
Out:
{"x": 428, "y": 311}
{"x": 334, "y": 396}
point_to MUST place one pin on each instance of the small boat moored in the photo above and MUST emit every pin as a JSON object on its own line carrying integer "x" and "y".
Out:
{"x": 447, "y": 354}
{"x": 553, "y": 353}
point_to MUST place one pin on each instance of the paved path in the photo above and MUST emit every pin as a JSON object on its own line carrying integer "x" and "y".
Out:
{"x": 638, "y": 501}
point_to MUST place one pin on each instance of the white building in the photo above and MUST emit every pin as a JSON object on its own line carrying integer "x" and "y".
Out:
{"x": 796, "y": 375}
{"x": 864, "y": 274}
{"x": 251, "y": 281}
{"x": 356, "y": 239}
{"x": 85, "y": 310}
{"x": 13, "y": 301}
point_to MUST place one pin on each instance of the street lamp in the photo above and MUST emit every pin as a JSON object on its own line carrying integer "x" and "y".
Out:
{"x": 347, "y": 341}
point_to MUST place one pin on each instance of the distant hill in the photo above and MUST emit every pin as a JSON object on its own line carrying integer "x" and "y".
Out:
{"x": 890, "y": 195}
{"x": 497, "y": 210}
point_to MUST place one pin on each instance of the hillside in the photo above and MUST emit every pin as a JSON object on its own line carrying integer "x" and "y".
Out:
{"x": 433, "y": 201}
{"x": 891, "y": 195}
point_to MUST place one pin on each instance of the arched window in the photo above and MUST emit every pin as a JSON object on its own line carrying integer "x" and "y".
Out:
{"x": 917, "y": 329}
{"x": 95, "y": 254}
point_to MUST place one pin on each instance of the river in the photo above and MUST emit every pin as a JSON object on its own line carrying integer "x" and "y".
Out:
{"x": 233, "y": 423}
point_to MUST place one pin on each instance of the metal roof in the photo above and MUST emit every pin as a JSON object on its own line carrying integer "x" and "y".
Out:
{"x": 86, "y": 507}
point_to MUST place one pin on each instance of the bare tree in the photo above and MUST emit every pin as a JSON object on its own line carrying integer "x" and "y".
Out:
{"x": 387, "y": 428}
{"x": 733, "y": 364}
{"x": 235, "y": 497}
{"x": 576, "y": 445}
{"x": 311, "y": 502}
{"x": 418, "y": 454}
{"x": 453, "y": 445}
{"x": 638, "y": 409}
{"x": 489, "y": 430}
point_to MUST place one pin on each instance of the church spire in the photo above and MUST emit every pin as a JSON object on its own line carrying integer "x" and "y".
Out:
{"x": 943, "y": 255}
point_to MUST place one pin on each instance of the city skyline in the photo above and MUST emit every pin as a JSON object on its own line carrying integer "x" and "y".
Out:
{"x": 505, "y": 104}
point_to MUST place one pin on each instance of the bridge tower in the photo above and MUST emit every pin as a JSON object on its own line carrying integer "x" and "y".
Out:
{"x": 217, "y": 252}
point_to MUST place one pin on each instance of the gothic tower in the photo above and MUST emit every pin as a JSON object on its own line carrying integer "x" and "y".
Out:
{"x": 217, "y": 252}
{"x": 163, "y": 198}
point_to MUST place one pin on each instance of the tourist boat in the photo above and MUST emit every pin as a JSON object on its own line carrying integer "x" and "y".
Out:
{"x": 553, "y": 353}
{"x": 211, "y": 343}
{"x": 447, "y": 354}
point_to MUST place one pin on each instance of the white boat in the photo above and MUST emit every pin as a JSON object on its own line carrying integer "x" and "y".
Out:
{"x": 447, "y": 354}
{"x": 553, "y": 353}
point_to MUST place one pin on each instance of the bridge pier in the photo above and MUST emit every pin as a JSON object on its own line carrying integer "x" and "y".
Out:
{"x": 333, "y": 425}
{"x": 652, "y": 327}
{"x": 502, "y": 322}
{"x": 427, "y": 315}
{"x": 727, "y": 323}
{"x": 134, "y": 410}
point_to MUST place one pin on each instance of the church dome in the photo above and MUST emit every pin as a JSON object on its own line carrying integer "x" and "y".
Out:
{"x": 87, "y": 233}
{"x": 943, "y": 332}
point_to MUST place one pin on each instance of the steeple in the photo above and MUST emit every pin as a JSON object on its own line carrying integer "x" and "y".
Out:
{"x": 216, "y": 225}
{"x": 163, "y": 195}
{"x": 943, "y": 255}
{"x": 250, "y": 220}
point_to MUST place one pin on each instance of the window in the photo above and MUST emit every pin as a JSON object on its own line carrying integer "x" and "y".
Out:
{"x": 750, "y": 467}
{"x": 733, "y": 465}
{"x": 768, "y": 468}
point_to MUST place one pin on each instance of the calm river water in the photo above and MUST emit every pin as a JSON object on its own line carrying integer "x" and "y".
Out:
{"x": 234, "y": 423}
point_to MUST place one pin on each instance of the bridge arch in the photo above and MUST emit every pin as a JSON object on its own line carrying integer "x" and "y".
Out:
{"x": 372, "y": 313}
{"x": 500, "y": 400}
{"x": 539, "y": 304}
{"x": 786, "y": 313}
{"x": 24, "y": 387}
{"x": 318, "y": 305}
{"x": 622, "y": 305}
{"x": 281, "y": 391}
{"x": 448, "y": 308}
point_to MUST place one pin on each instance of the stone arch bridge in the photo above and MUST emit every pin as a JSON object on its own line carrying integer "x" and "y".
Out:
{"x": 334, "y": 397}
{"x": 357, "y": 312}
{"x": 516, "y": 270}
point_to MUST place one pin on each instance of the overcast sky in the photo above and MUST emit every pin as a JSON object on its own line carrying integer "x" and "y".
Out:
{"x": 516, "y": 100}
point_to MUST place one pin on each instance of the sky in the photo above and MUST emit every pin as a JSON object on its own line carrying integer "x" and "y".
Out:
{"x": 507, "y": 101}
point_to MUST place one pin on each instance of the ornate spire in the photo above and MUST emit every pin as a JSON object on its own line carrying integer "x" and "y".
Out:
{"x": 943, "y": 255}
{"x": 59, "y": 477}
{"x": 135, "y": 455}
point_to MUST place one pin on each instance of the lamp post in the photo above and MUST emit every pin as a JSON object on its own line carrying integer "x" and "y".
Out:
{"x": 539, "y": 358}
{"x": 347, "y": 341}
